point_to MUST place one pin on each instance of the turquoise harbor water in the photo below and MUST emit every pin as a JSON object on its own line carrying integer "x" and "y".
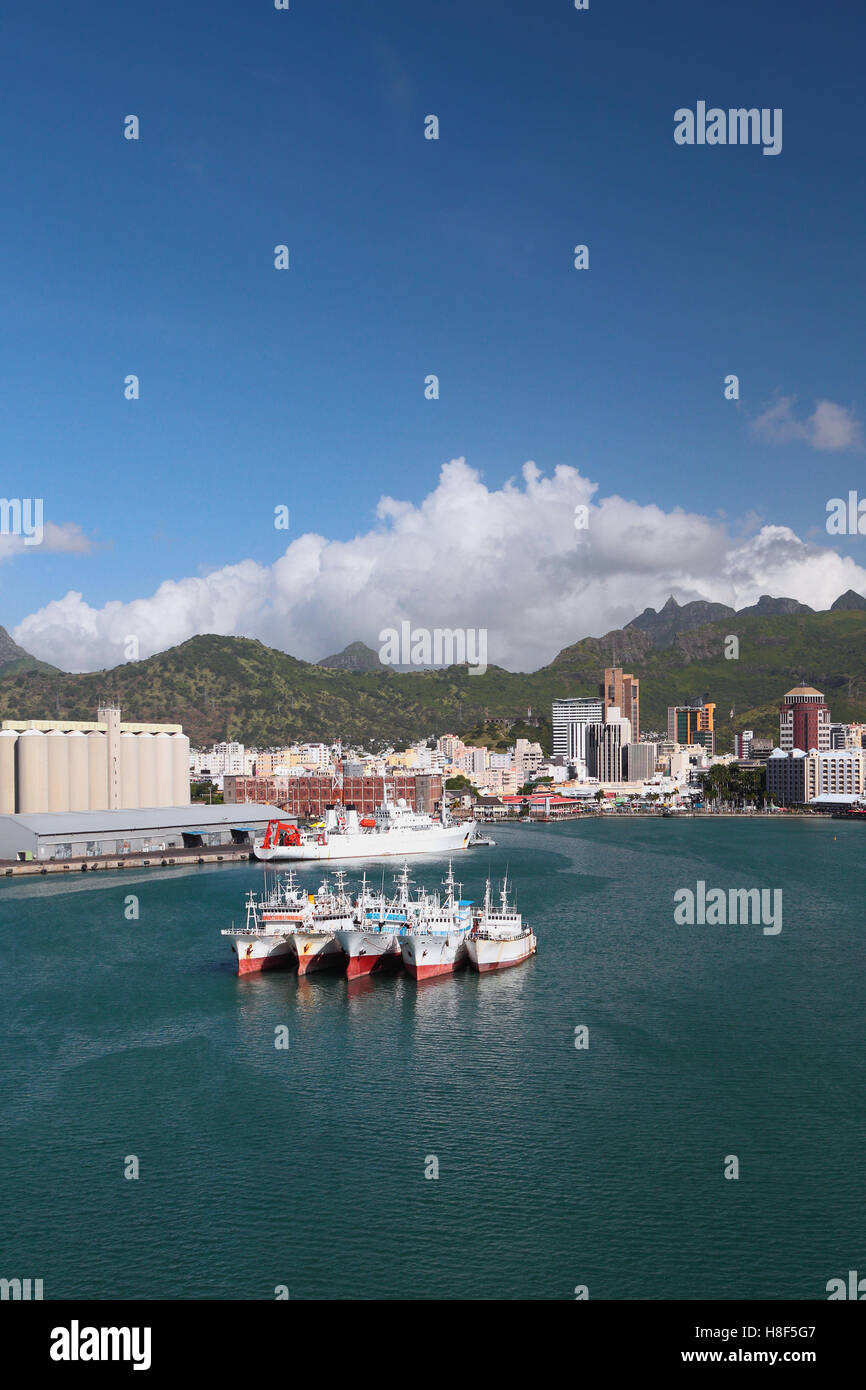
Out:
{"x": 558, "y": 1167}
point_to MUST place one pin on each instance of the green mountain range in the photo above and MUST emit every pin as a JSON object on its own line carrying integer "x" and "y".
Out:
{"x": 14, "y": 658}
{"x": 234, "y": 687}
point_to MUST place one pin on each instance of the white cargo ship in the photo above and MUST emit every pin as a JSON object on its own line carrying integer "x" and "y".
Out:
{"x": 498, "y": 937}
{"x": 394, "y": 829}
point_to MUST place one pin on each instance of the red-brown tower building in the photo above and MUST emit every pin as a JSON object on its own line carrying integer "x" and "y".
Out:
{"x": 804, "y": 720}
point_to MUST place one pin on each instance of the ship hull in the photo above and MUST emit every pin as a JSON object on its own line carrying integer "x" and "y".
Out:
{"x": 439, "y": 840}
{"x": 255, "y": 953}
{"x": 427, "y": 956}
{"x": 487, "y": 955}
{"x": 367, "y": 952}
{"x": 316, "y": 951}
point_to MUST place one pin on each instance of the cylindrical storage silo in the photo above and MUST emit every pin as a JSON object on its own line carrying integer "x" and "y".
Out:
{"x": 79, "y": 797}
{"x": 146, "y": 769}
{"x": 97, "y": 771}
{"x": 32, "y": 772}
{"x": 179, "y": 770}
{"x": 162, "y": 743}
{"x": 129, "y": 790}
{"x": 57, "y": 756}
{"x": 8, "y": 739}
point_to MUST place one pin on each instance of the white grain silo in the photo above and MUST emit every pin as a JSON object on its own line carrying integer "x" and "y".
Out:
{"x": 129, "y": 789}
{"x": 109, "y": 715}
{"x": 146, "y": 769}
{"x": 97, "y": 771}
{"x": 79, "y": 795}
{"x": 162, "y": 744}
{"x": 8, "y": 739}
{"x": 57, "y": 759}
{"x": 179, "y": 770}
{"x": 32, "y": 772}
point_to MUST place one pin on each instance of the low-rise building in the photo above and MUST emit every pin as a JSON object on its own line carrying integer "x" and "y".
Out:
{"x": 309, "y": 797}
{"x": 795, "y": 778}
{"x": 155, "y": 830}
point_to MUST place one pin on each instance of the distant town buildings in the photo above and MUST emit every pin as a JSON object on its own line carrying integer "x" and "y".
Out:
{"x": 597, "y": 755}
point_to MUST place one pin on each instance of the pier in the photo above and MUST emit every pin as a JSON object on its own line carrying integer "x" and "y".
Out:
{"x": 152, "y": 859}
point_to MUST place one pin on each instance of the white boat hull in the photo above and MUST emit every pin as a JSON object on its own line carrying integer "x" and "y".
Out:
{"x": 427, "y": 955}
{"x": 368, "y": 950}
{"x": 372, "y": 845}
{"x": 491, "y": 954}
{"x": 316, "y": 950}
{"x": 263, "y": 953}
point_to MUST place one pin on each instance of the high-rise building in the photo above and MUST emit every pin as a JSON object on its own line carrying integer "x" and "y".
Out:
{"x": 622, "y": 692}
{"x": 804, "y": 720}
{"x": 691, "y": 724}
{"x": 604, "y": 745}
{"x": 571, "y": 718}
{"x": 743, "y": 743}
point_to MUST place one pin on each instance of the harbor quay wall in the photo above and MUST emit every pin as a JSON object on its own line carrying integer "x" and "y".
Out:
{"x": 205, "y": 854}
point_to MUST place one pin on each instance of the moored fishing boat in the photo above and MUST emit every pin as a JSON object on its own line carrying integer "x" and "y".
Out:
{"x": 434, "y": 943}
{"x": 498, "y": 937}
{"x": 372, "y": 942}
{"x": 261, "y": 945}
{"x": 315, "y": 937}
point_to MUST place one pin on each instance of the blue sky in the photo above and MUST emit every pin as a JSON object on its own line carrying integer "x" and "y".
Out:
{"x": 411, "y": 257}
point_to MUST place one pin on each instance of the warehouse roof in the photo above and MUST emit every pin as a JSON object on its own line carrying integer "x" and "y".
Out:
{"x": 144, "y": 818}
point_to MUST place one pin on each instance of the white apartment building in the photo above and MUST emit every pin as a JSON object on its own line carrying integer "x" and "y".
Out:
{"x": 498, "y": 781}
{"x": 570, "y": 721}
{"x": 316, "y": 754}
{"x": 450, "y": 746}
{"x": 528, "y": 757}
{"x": 223, "y": 758}
{"x": 472, "y": 761}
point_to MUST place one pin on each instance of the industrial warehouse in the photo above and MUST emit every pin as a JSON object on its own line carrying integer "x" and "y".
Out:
{"x": 93, "y": 834}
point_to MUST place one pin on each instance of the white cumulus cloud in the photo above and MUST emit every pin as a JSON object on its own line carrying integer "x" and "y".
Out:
{"x": 830, "y": 426}
{"x": 64, "y": 537}
{"x": 508, "y": 560}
